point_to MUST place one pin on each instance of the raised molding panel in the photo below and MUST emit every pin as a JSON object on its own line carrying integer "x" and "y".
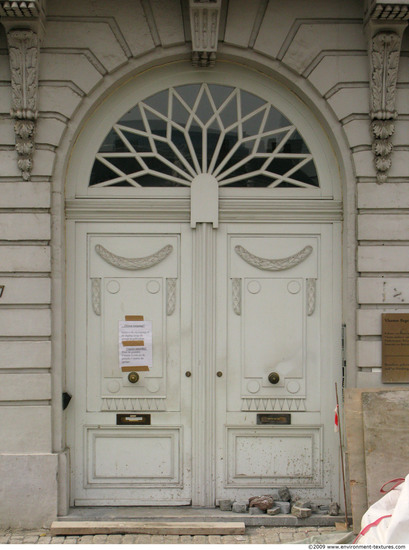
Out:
{"x": 170, "y": 296}
{"x": 96, "y": 295}
{"x": 263, "y": 456}
{"x": 272, "y": 404}
{"x": 236, "y": 295}
{"x": 128, "y": 456}
{"x": 133, "y": 263}
{"x": 133, "y": 404}
{"x": 311, "y": 295}
{"x": 279, "y": 264}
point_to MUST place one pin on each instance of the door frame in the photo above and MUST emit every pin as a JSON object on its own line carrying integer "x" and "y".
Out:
{"x": 95, "y": 209}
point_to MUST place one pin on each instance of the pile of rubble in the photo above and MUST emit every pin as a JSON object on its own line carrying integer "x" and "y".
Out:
{"x": 279, "y": 502}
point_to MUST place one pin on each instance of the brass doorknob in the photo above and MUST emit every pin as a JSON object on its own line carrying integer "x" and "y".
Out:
{"x": 133, "y": 377}
{"x": 273, "y": 377}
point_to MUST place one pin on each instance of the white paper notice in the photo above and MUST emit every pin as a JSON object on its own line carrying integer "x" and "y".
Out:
{"x": 135, "y": 344}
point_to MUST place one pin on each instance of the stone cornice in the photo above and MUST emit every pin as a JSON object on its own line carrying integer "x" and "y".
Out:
{"x": 381, "y": 10}
{"x": 24, "y": 23}
{"x": 385, "y": 23}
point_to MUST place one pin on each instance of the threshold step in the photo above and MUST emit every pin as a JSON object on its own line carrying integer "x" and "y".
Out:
{"x": 147, "y": 527}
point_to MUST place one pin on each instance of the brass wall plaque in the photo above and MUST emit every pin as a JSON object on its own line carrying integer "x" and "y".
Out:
{"x": 134, "y": 419}
{"x": 395, "y": 347}
{"x": 274, "y": 418}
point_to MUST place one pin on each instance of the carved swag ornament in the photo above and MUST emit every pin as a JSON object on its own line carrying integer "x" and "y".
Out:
{"x": 24, "y": 54}
{"x": 385, "y": 52}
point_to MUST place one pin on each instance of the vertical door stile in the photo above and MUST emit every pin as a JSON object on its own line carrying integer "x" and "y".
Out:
{"x": 204, "y": 372}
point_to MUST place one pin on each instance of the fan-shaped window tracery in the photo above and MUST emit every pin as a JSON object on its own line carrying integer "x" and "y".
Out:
{"x": 172, "y": 136}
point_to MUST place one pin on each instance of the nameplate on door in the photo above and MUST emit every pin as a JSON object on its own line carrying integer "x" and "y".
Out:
{"x": 274, "y": 418}
{"x": 134, "y": 419}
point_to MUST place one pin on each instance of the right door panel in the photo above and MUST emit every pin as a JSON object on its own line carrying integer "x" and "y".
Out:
{"x": 283, "y": 356}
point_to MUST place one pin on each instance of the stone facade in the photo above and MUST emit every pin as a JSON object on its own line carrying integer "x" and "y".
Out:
{"x": 349, "y": 63}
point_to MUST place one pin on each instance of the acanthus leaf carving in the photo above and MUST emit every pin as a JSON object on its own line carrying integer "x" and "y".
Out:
{"x": 279, "y": 264}
{"x": 133, "y": 263}
{"x": 24, "y": 54}
{"x": 384, "y": 59}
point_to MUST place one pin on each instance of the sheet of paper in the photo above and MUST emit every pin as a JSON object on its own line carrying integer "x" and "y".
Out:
{"x": 135, "y": 344}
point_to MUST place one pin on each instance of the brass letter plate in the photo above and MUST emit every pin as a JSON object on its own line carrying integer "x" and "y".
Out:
{"x": 274, "y": 418}
{"x": 128, "y": 419}
{"x": 395, "y": 347}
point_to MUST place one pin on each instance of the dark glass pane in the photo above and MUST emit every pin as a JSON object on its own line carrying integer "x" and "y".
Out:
{"x": 250, "y": 166}
{"x": 178, "y": 138}
{"x": 220, "y": 93}
{"x": 295, "y": 145}
{"x": 204, "y": 110}
{"x": 139, "y": 143}
{"x": 188, "y": 93}
{"x": 307, "y": 174}
{"x": 154, "y": 181}
{"x": 179, "y": 114}
{"x": 255, "y": 181}
{"x": 252, "y": 126}
{"x": 276, "y": 120}
{"x": 282, "y": 165}
{"x": 159, "y": 102}
{"x": 128, "y": 165}
{"x": 133, "y": 119}
{"x": 268, "y": 144}
{"x": 113, "y": 144}
{"x": 229, "y": 141}
{"x": 101, "y": 173}
{"x": 250, "y": 102}
{"x": 157, "y": 125}
{"x": 229, "y": 113}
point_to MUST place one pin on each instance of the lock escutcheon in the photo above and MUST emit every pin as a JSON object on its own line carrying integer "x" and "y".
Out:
{"x": 273, "y": 377}
{"x": 133, "y": 377}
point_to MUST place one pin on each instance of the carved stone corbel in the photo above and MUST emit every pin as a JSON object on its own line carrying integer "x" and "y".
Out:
{"x": 24, "y": 24}
{"x": 385, "y": 23}
{"x": 24, "y": 53}
{"x": 204, "y": 25}
{"x": 384, "y": 57}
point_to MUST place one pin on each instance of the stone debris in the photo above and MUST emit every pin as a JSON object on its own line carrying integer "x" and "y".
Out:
{"x": 225, "y": 505}
{"x": 263, "y": 503}
{"x": 284, "y": 494}
{"x": 302, "y": 503}
{"x": 254, "y": 511}
{"x": 274, "y": 511}
{"x": 299, "y": 512}
{"x": 333, "y": 509}
{"x": 239, "y": 507}
{"x": 284, "y": 506}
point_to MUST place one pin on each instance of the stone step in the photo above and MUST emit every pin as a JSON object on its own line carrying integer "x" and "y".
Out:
{"x": 180, "y": 514}
{"x": 147, "y": 527}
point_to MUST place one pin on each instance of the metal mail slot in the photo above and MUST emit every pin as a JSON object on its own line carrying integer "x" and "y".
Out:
{"x": 274, "y": 418}
{"x": 134, "y": 419}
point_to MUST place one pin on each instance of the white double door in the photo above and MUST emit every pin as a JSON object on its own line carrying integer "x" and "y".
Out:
{"x": 239, "y": 396}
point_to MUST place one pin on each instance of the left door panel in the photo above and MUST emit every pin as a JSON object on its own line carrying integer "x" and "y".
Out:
{"x": 116, "y": 271}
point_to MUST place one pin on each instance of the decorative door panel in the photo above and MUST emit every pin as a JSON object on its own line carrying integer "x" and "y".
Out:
{"x": 281, "y": 359}
{"x": 132, "y": 438}
{"x": 275, "y": 323}
{"x": 136, "y": 276}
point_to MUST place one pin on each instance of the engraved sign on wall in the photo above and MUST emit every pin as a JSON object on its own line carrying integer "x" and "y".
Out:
{"x": 135, "y": 345}
{"x": 395, "y": 347}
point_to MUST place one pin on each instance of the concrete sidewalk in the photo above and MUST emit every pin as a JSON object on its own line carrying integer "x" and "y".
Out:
{"x": 253, "y": 535}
